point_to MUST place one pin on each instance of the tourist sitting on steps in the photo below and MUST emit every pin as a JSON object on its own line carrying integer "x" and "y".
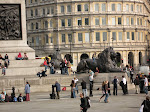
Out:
{"x": 2, "y": 97}
{"x": 25, "y": 56}
{"x": 7, "y": 59}
{"x": 19, "y": 57}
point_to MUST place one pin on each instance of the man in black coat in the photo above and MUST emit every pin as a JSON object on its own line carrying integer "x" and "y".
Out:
{"x": 83, "y": 103}
{"x": 58, "y": 89}
{"x": 84, "y": 90}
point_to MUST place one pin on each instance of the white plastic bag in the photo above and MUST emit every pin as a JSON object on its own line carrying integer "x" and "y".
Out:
{"x": 141, "y": 108}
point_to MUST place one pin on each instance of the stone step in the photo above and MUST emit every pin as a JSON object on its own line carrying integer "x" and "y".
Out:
{"x": 24, "y": 71}
{"x": 26, "y": 63}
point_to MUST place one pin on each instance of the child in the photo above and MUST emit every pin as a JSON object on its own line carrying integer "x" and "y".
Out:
{"x": 20, "y": 98}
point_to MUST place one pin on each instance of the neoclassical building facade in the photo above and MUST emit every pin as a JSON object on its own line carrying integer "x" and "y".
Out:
{"x": 81, "y": 28}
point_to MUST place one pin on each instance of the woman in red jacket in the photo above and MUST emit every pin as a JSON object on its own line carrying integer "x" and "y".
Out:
{"x": 45, "y": 64}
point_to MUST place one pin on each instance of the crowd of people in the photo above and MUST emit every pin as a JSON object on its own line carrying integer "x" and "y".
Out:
{"x": 4, "y": 97}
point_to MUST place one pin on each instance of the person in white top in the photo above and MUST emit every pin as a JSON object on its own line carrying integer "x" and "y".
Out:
{"x": 75, "y": 81}
{"x": 124, "y": 82}
{"x": 91, "y": 81}
{"x": 146, "y": 84}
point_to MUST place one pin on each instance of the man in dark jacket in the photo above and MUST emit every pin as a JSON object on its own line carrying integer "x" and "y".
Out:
{"x": 115, "y": 83}
{"x": 146, "y": 104}
{"x": 83, "y": 103}
{"x": 57, "y": 85}
{"x": 136, "y": 83}
{"x": 84, "y": 90}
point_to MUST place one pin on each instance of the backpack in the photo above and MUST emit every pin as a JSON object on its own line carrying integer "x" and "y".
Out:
{"x": 20, "y": 99}
{"x": 14, "y": 99}
{"x": 88, "y": 102}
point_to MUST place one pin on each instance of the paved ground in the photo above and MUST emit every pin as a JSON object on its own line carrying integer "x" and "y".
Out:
{"x": 40, "y": 102}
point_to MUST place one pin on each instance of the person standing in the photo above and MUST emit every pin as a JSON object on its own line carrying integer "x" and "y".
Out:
{"x": 57, "y": 85}
{"x": 84, "y": 90}
{"x": 73, "y": 89}
{"x": 124, "y": 82}
{"x": 91, "y": 81}
{"x": 76, "y": 82}
{"x": 45, "y": 64}
{"x": 115, "y": 84}
{"x": 106, "y": 92}
{"x": 131, "y": 75}
{"x": 146, "y": 84}
{"x": 136, "y": 83}
{"x": 69, "y": 68}
{"x": 27, "y": 91}
{"x": 83, "y": 105}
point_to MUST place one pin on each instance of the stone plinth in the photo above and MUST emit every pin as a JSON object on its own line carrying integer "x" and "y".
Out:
{"x": 13, "y": 47}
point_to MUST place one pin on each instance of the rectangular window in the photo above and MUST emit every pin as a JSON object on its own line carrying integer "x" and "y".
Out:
{"x": 145, "y": 23}
{"x": 113, "y": 21}
{"x": 127, "y": 21}
{"x": 86, "y": 7}
{"x": 37, "y": 26}
{"x": 69, "y": 37}
{"x": 68, "y": 8}
{"x": 127, "y": 7}
{"x": 137, "y": 8}
{"x": 86, "y": 21}
{"x": 119, "y": 21}
{"x": 69, "y": 22}
{"x": 79, "y": 22}
{"x": 113, "y": 7}
{"x": 51, "y": 39}
{"x": 120, "y": 35}
{"x": 62, "y": 22}
{"x": 62, "y": 9}
{"x": 48, "y": 11}
{"x": 79, "y": 8}
{"x": 113, "y": 36}
{"x": 128, "y": 36}
{"x": 36, "y": 12}
{"x": 97, "y": 7}
{"x": 37, "y": 41}
{"x": 104, "y": 36}
{"x": 138, "y": 35}
{"x": 140, "y": 21}
{"x": 63, "y": 38}
{"x": 31, "y": 13}
{"x": 97, "y": 36}
{"x": 104, "y": 21}
{"x": 119, "y": 7}
{"x": 30, "y": 1}
{"x": 140, "y": 8}
{"x": 131, "y": 7}
{"x": 132, "y": 35}
{"x": 141, "y": 36}
{"x": 52, "y": 10}
{"x": 96, "y": 21}
{"x": 51, "y": 23}
{"x": 46, "y": 39}
{"x": 137, "y": 21}
{"x": 32, "y": 39}
{"x": 80, "y": 37}
{"x": 103, "y": 7}
{"x": 132, "y": 21}
{"x": 87, "y": 37}
{"x": 43, "y": 11}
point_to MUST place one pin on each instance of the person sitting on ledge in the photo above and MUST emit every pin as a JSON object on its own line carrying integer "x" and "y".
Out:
{"x": 19, "y": 57}
{"x": 7, "y": 58}
{"x": 25, "y": 56}
{"x": 43, "y": 73}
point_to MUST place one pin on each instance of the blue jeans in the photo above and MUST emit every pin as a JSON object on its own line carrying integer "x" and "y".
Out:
{"x": 106, "y": 97}
{"x": 146, "y": 89}
{"x": 84, "y": 92}
{"x": 74, "y": 94}
{"x": 45, "y": 67}
{"x": 63, "y": 70}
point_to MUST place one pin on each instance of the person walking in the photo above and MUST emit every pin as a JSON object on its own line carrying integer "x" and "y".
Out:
{"x": 27, "y": 91}
{"x": 91, "y": 81}
{"x": 106, "y": 92}
{"x": 131, "y": 75}
{"x": 146, "y": 84}
{"x": 83, "y": 105}
{"x": 84, "y": 90}
{"x": 136, "y": 83}
{"x": 103, "y": 84}
{"x": 115, "y": 85}
{"x": 57, "y": 85}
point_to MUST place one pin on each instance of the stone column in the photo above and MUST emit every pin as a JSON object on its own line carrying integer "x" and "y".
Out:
{"x": 109, "y": 38}
{"x": 92, "y": 37}
{"x": 136, "y": 60}
{"x": 125, "y": 57}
